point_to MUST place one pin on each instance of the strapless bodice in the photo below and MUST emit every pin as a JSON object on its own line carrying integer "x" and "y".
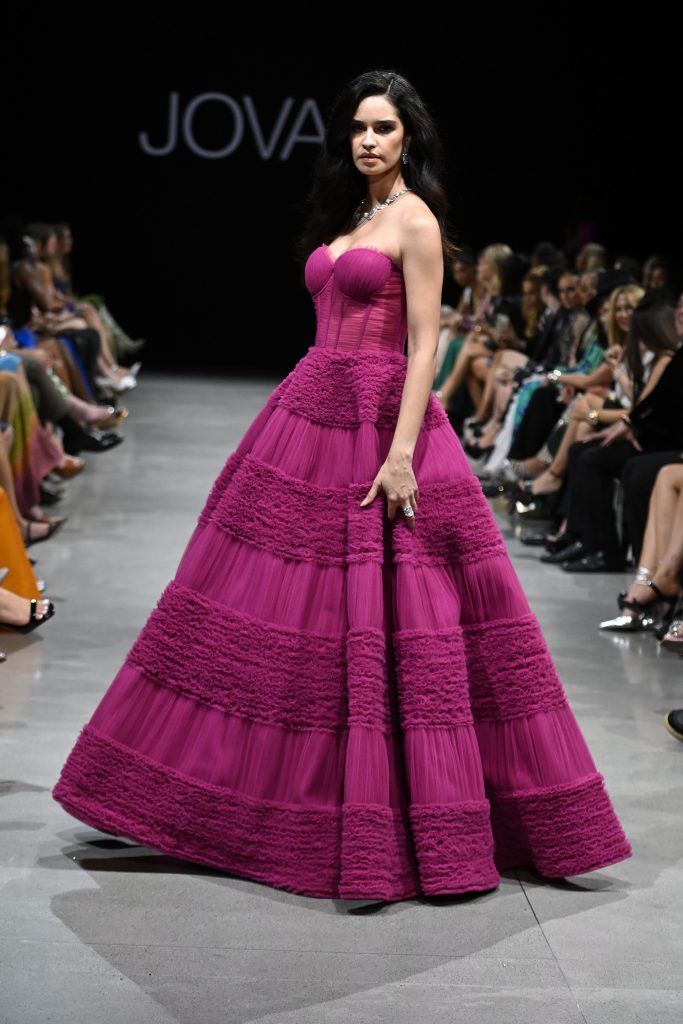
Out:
{"x": 359, "y": 299}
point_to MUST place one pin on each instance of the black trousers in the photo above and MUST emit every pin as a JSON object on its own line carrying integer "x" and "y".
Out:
{"x": 540, "y": 416}
{"x": 591, "y": 475}
{"x": 638, "y": 480}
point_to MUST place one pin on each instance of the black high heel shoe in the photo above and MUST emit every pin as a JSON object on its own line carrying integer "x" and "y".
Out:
{"x": 33, "y": 621}
{"x": 537, "y": 506}
{"x": 54, "y": 525}
{"x": 526, "y": 486}
{"x": 642, "y": 575}
{"x": 669, "y": 601}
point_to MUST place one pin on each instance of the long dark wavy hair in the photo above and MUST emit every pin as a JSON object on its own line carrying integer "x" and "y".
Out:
{"x": 338, "y": 187}
{"x": 653, "y": 322}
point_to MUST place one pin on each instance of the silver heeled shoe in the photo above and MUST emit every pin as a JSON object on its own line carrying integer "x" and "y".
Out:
{"x": 673, "y": 639}
{"x": 637, "y": 623}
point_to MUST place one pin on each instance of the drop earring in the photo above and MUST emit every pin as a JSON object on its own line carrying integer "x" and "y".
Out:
{"x": 404, "y": 156}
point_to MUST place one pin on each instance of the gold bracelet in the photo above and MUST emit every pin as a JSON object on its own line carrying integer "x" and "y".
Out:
{"x": 593, "y": 417}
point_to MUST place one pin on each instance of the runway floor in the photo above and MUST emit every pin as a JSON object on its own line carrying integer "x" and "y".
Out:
{"x": 96, "y": 929}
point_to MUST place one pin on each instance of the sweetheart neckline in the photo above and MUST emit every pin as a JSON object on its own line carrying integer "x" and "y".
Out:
{"x": 353, "y": 248}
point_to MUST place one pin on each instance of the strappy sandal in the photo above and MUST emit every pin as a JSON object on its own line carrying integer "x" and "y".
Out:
{"x": 42, "y": 518}
{"x": 33, "y": 621}
{"x": 526, "y": 485}
{"x": 54, "y": 526}
{"x": 115, "y": 418}
{"x": 673, "y": 638}
{"x": 642, "y": 576}
{"x": 659, "y": 595}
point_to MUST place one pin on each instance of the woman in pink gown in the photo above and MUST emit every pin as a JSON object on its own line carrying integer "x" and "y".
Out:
{"x": 344, "y": 692}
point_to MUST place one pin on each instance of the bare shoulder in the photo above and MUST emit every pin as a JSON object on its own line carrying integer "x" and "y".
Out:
{"x": 420, "y": 233}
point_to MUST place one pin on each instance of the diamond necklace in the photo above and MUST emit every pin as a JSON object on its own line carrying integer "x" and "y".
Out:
{"x": 380, "y": 206}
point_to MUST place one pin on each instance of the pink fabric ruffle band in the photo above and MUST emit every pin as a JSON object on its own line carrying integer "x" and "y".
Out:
{"x": 350, "y": 853}
{"x": 263, "y": 506}
{"x": 302, "y": 679}
{"x": 570, "y": 829}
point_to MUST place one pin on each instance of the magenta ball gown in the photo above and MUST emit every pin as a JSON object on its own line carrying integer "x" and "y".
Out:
{"x": 322, "y": 700}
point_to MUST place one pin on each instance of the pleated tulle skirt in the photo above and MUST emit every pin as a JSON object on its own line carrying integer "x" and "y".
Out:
{"x": 326, "y": 702}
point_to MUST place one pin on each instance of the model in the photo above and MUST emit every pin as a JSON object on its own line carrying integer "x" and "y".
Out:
{"x": 344, "y": 692}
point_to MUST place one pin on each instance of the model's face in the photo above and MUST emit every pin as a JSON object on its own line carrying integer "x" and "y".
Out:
{"x": 50, "y": 246}
{"x": 377, "y": 136}
{"x": 67, "y": 242}
{"x": 570, "y": 295}
{"x": 623, "y": 311}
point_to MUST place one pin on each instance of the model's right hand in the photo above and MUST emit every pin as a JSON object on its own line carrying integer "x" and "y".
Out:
{"x": 398, "y": 482}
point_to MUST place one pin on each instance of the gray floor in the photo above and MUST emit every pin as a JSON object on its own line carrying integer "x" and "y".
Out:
{"x": 92, "y": 928}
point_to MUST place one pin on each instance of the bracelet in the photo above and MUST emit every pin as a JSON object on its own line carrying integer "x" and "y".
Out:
{"x": 593, "y": 417}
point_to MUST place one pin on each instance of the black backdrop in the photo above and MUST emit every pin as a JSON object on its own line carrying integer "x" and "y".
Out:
{"x": 548, "y": 119}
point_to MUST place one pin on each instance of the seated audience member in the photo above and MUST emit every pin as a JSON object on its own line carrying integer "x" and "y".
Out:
{"x": 654, "y": 424}
{"x": 499, "y": 309}
{"x": 656, "y": 272}
{"x": 651, "y": 599}
{"x": 590, "y": 400}
{"x": 68, "y": 320}
{"x": 120, "y": 344}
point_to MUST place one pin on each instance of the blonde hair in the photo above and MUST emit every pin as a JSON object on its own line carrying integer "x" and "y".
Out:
{"x": 593, "y": 256}
{"x": 495, "y": 254}
{"x": 634, "y": 294}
